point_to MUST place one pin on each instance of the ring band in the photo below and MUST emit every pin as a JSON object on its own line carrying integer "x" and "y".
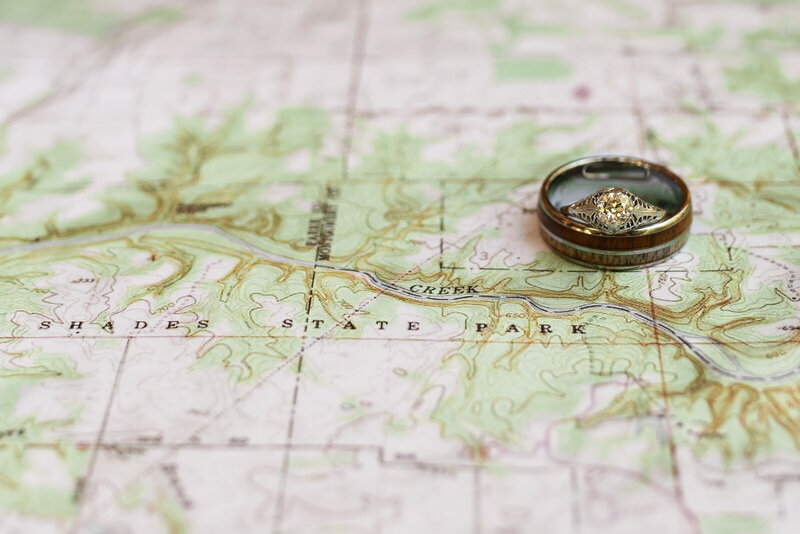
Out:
{"x": 621, "y": 233}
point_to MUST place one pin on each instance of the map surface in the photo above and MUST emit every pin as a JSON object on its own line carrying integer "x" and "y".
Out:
{"x": 274, "y": 267}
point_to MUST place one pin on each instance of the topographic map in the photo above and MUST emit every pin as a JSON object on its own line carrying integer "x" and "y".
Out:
{"x": 274, "y": 267}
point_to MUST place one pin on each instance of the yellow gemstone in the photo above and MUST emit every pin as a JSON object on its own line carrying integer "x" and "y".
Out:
{"x": 614, "y": 208}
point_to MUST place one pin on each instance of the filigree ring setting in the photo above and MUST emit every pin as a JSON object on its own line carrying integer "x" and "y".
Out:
{"x": 614, "y": 210}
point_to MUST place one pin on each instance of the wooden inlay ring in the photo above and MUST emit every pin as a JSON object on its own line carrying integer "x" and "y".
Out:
{"x": 581, "y": 242}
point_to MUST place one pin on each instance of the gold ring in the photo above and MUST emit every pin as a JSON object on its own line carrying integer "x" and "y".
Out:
{"x": 614, "y": 212}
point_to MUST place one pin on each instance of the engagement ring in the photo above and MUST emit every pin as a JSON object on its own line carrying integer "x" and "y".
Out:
{"x": 614, "y": 210}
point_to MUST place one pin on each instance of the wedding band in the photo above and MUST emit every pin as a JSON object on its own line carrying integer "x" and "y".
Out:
{"x": 614, "y": 212}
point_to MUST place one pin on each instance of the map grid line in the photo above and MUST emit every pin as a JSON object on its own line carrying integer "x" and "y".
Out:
{"x": 666, "y": 418}
{"x": 356, "y": 67}
{"x": 642, "y": 129}
{"x": 356, "y": 64}
{"x": 100, "y": 436}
